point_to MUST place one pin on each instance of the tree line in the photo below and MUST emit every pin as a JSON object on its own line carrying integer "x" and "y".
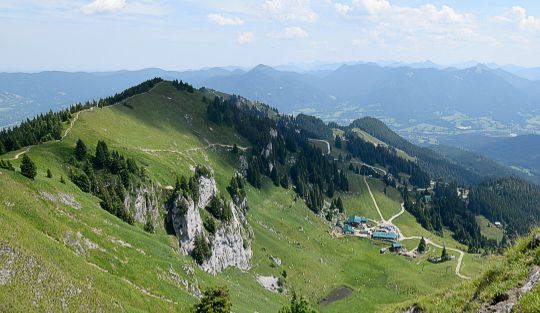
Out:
{"x": 280, "y": 150}
{"x": 512, "y": 201}
{"x": 379, "y": 154}
{"x": 49, "y": 126}
{"x": 108, "y": 175}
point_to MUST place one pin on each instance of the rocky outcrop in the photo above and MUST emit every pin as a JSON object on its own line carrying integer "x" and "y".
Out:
{"x": 231, "y": 243}
{"x": 269, "y": 283}
{"x": 504, "y": 302}
{"x": 187, "y": 223}
{"x": 144, "y": 202}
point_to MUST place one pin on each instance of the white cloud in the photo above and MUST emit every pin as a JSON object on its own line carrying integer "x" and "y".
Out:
{"x": 291, "y": 10}
{"x": 103, "y": 6}
{"x": 342, "y": 8}
{"x": 293, "y": 32}
{"x": 245, "y": 37}
{"x": 518, "y": 15}
{"x": 385, "y": 23}
{"x": 224, "y": 20}
{"x": 372, "y": 6}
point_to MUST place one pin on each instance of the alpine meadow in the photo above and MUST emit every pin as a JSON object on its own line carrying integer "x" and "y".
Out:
{"x": 317, "y": 183}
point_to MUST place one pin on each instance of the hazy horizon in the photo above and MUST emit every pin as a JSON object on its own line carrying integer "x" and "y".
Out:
{"x": 308, "y": 66}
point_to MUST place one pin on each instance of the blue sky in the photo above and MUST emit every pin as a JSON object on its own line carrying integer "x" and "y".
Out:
{"x": 132, "y": 34}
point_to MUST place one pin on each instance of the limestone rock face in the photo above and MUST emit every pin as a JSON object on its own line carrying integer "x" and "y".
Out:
{"x": 231, "y": 244}
{"x": 144, "y": 202}
{"x": 187, "y": 223}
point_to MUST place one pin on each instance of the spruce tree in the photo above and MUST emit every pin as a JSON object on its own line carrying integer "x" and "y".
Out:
{"x": 214, "y": 300}
{"x": 444, "y": 254}
{"x": 297, "y": 305}
{"x": 80, "y": 150}
{"x": 49, "y": 173}
{"x": 338, "y": 142}
{"x": 274, "y": 176}
{"x": 28, "y": 168}
{"x": 102, "y": 157}
{"x": 339, "y": 205}
{"x": 422, "y": 246}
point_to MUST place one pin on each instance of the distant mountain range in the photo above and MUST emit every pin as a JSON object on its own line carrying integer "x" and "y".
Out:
{"x": 479, "y": 98}
{"x": 422, "y": 101}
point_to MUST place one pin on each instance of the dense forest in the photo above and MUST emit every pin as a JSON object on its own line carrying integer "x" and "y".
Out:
{"x": 49, "y": 126}
{"x": 443, "y": 207}
{"x": 512, "y": 201}
{"x": 280, "y": 151}
{"x": 381, "y": 155}
{"x": 429, "y": 160}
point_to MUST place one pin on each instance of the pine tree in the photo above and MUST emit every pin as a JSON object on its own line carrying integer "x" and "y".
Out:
{"x": 274, "y": 176}
{"x": 422, "y": 246}
{"x": 62, "y": 180}
{"x": 339, "y": 205}
{"x": 28, "y": 168}
{"x": 80, "y": 150}
{"x": 49, "y": 173}
{"x": 214, "y": 300}
{"x": 330, "y": 190}
{"x": 297, "y": 305}
{"x": 444, "y": 254}
{"x": 338, "y": 142}
{"x": 284, "y": 181}
{"x": 102, "y": 157}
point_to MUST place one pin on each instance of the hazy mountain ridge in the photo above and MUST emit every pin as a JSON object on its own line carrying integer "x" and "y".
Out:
{"x": 342, "y": 92}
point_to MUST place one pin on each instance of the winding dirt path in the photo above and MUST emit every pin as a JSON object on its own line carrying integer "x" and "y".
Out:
{"x": 428, "y": 241}
{"x": 72, "y": 123}
{"x": 66, "y": 132}
{"x": 325, "y": 141}
{"x": 399, "y": 214}
{"x": 211, "y": 145}
{"x": 374, "y": 201}
{"x": 25, "y": 150}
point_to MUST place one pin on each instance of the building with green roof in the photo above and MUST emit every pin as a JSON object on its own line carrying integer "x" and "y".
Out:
{"x": 356, "y": 220}
{"x": 389, "y": 236}
{"x": 348, "y": 230}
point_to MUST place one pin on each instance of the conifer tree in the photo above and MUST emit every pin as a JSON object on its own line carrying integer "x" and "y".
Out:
{"x": 444, "y": 254}
{"x": 339, "y": 205}
{"x": 102, "y": 157}
{"x": 297, "y": 305}
{"x": 28, "y": 168}
{"x": 80, "y": 150}
{"x": 422, "y": 246}
{"x": 274, "y": 176}
{"x": 214, "y": 300}
{"x": 338, "y": 142}
{"x": 49, "y": 173}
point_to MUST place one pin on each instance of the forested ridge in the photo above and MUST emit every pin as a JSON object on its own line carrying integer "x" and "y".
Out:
{"x": 429, "y": 160}
{"x": 512, "y": 201}
{"x": 280, "y": 151}
{"x": 49, "y": 126}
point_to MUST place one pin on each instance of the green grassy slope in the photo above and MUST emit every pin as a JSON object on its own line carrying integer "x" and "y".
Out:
{"x": 81, "y": 256}
{"x": 501, "y": 279}
{"x": 489, "y": 229}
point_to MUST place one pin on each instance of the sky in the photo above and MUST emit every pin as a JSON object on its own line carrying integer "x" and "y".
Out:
{"x": 101, "y": 35}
